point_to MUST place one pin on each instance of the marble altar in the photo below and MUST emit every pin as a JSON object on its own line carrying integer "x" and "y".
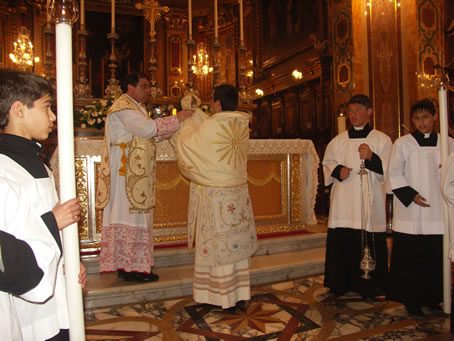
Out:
{"x": 282, "y": 177}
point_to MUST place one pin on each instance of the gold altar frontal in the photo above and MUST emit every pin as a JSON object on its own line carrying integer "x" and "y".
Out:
{"x": 282, "y": 179}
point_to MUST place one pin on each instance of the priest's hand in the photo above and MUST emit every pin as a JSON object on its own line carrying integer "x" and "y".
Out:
{"x": 67, "y": 213}
{"x": 420, "y": 200}
{"x": 184, "y": 114}
{"x": 344, "y": 173}
{"x": 364, "y": 152}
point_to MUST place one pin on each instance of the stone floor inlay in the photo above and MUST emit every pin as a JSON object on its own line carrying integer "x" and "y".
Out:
{"x": 295, "y": 310}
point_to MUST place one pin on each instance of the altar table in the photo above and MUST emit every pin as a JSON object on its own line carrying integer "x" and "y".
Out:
{"x": 282, "y": 179}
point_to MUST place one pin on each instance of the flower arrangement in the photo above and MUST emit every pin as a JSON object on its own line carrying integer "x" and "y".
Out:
{"x": 95, "y": 114}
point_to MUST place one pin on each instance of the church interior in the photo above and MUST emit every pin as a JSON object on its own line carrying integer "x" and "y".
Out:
{"x": 296, "y": 64}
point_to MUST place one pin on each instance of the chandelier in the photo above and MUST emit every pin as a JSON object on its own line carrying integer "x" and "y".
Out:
{"x": 22, "y": 54}
{"x": 201, "y": 66}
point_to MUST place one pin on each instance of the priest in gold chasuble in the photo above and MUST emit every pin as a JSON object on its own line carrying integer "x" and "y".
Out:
{"x": 212, "y": 152}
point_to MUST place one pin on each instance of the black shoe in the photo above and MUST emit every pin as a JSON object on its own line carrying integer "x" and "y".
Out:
{"x": 230, "y": 309}
{"x": 435, "y": 309}
{"x": 368, "y": 298}
{"x": 414, "y": 312}
{"x": 137, "y": 276}
{"x": 242, "y": 305}
{"x": 337, "y": 292}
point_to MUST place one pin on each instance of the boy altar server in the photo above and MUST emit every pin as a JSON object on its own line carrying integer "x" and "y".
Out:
{"x": 416, "y": 272}
{"x": 345, "y": 240}
{"x": 26, "y": 116}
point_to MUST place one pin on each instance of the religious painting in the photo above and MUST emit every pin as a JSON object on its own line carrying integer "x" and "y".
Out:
{"x": 129, "y": 48}
{"x": 287, "y": 25}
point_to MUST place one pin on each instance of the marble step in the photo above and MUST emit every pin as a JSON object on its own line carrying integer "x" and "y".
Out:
{"x": 104, "y": 290}
{"x": 170, "y": 257}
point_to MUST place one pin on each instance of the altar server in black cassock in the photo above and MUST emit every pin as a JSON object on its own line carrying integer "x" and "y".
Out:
{"x": 341, "y": 164}
{"x": 416, "y": 271}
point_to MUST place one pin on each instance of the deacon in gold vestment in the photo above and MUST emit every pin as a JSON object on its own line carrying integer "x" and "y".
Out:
{"x": 126, "y": 178}
{"x": 212, "y": 152}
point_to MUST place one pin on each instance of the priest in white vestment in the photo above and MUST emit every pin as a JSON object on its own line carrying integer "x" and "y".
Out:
{"x": 212, "y": 152}
{"x": 416, "y": 270}
{"x": 126, "y": 181}
{"x": 356, "y": 220}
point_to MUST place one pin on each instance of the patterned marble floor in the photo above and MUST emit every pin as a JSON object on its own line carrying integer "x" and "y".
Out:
{"x": 296, "y": 310}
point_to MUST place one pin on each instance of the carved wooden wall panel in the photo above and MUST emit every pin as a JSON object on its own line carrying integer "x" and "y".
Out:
{"x": 276, "y": 117}
{"x": 385, "y": 66}
{"x": 291, "y": 115}
{"x": 264, "y": 119}
{"x": 307, "y": 111}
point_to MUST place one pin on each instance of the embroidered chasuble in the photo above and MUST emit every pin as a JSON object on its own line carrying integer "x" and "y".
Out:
{"x": 138, "y": 166}
{"x": 212, "y": 153}
{"x": 125, "y": 186}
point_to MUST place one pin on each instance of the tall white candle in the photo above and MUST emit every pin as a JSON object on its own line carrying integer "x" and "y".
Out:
{"x": 190, "y": 19}
{"x": 65, "y": 110}
{"x": 113, "y": 17}
{"x": 82, "y": 12}
{"x": 216, "y": 19}
{"x": 241, "y": 23}
{"x": 341, "y": 125}
{"x": 443, "y": 116}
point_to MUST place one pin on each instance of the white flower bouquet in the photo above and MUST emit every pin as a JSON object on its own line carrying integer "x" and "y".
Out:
{"x": 95, "y": 114}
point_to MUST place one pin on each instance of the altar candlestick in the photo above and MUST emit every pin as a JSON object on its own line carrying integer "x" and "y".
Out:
{"x": 216, "y": 20}
{"x": 82, "y": 13}
{"x": 190, "y": 19}
{"x": 113, "y": 16}
{"x": 341, "y": 125}
{"x": 241, "y": 23}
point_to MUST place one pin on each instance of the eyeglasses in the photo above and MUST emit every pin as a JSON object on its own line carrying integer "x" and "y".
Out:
{"x": 144, "y": 85}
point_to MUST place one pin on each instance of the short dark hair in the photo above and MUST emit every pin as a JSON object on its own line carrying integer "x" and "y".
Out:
{"x": 423, "y": 105}
{"x": 133, "y": 79}
{"x": 22, "y": 86}
{"x": 228, "y": 96}
{"x": 361, "y": 99}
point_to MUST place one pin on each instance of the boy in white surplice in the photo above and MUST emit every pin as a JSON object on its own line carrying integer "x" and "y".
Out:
{"x": 418, "y": 223}
{"x": 25, "y": 117}
{"x": 346, "y": 240}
